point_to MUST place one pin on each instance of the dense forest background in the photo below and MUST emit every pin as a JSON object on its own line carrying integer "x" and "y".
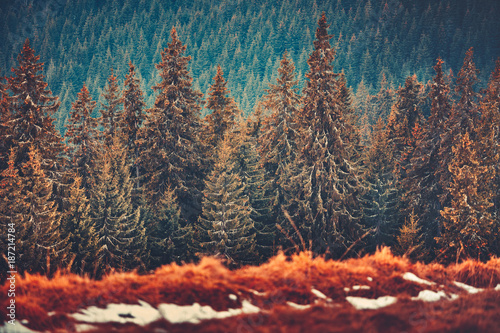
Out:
{"x": 79, "y": 41}
{"x": 137, "y": 134}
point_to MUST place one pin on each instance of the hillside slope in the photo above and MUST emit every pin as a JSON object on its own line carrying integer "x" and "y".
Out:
{"x": 379, "y": 292}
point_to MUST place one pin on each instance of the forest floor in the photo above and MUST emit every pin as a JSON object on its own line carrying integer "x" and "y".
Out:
{"x": 376, "y": 293}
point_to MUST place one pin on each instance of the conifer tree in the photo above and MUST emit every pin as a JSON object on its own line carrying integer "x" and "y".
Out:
{"x": 5, "y": 128}
{"x": 324, "y": 191}
{"x": 381, "y": 205}
{"x": 225, "y": 227}
{"x": 404, "y": 115}
{"x": 32, "y": 108}
{"x": 27, "y": 203}
{"x": 247, "y": 165}
{"x": 110, "y": 112}
{"x": 122, "y": 241}
{"x": 469, "y": 229}
{"x": 463, "y": 119}
{"x": 224, "y": 110}
{"x": 488, "y": 133}
{"x": 172, "y": 155}
{"x": 130, "y": 122}
{"x": 409, "y": 240}
{"x": 82, "y": 137}
{"x": 78, "y": 226}
{"x": 278, "y": 142}
{"x": 422, "y": 188}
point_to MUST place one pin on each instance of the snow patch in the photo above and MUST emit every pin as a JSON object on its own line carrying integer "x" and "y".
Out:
{"x": 360, "y": 287}
{"x": 497, "y": 288}
{"x": 233, "y": 297}
{"x": 84, "y": 327}
{"x": 347, "y": 289}
{"x": 429, "y": 296}
{"x": 258, "y": 293}
{"x": 318, "y": 293}
{"x": 369, "y": 279}
{"x": 413, "y": 278}
{"x": 361, "y": 303}
{"x": 469, "y": 289}
{"x": 195, "y": 313}
{"x": 16, "y": 328}
{"x": 298, "y": 306}
{"x": 142, "y": 314}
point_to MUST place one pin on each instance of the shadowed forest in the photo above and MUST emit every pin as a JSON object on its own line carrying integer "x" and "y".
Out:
{"x": 335, "y": 128}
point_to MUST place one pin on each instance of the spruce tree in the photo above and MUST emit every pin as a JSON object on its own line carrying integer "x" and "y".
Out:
{"x": 488, "y": 133}
{"x": 469, "y": 229}
{"x": 381, "y": 201}
{"x": 130, "y": 122}
{"x": 410, "y": 240}
{"x": 225, "y": 227}
{"x": 170, "y": 139}
{"x": 323, "y": 193}
{"x": 122, "y": 241}
{"x": 32, "y": 108}
{"x": 82, "y": 137}
{"x": 224, "y": 110}
{"x": 278, "y": 142}
{"x": 422, "y": 187}
{"x": 404, "y": 115}
{"x": 247, "y": 165}
{"x": 463, "y": 119}
{"x": 78, "y": 226}
{"x": 110, "y": 112}
{"x": 27, "y": 203}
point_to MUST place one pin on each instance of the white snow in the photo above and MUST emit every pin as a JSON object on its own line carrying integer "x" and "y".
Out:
{"x": 361, "y": 303}
{"x": 429, "y": 296}
{"x": 347, "y": 289}
{"x": 16, "y": 328}
{"x": 298, "y": 306}
{"x": 369, "y": 279}
{"x": 360, "y": 287}
{"x": 497, "y": 288}
{"x": 84, "y": 327}
{"x": 233, "y": 297}
{"x": 412, "y": 277}
{"x": 196, "y": 313}
{"x": 469, "y": 289}
{"x": 318, "y": 293}
{"x": 142, "y": 314}
{"x": 258, "y": 293}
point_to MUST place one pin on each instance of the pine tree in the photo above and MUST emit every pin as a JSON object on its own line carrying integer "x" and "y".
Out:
{"x": 381, "y": 201}
{"x": 111, "y": 110}
{"x": 463, "y": 119}
{"x": 469, "y": 229}
{"x": 78, "y": 226}
{"x": 170, "y": 138}
{"x": 82, "y": 138}
{"x": 122, "y": 241}
{"x": 422, "y": 188}
{"x": 32, "y": 108}
{"x": 404, "y": 115}
{"x": 130, "y": 122}
{"x": 247, "y": 166}
{"x": 409, "y": 240}
{"x": 323, "y": 193}
{"x": 224, "y": 110}
{"x": 225, "y": 227}
{"x": 27, "y": 203}
{"x": 5, "y": 129}
{"x": 278, "y": 142}
{"x": 488, "y": 133}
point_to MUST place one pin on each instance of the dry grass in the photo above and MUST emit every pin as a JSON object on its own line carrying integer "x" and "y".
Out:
{"x": 280, "y": 280}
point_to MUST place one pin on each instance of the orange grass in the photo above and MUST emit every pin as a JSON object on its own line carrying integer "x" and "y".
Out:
{"x": 281, "y": 279}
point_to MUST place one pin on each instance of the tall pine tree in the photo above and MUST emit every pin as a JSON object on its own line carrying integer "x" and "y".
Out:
{"x": 324, "y": 192}
{"x": 172, "y": 154}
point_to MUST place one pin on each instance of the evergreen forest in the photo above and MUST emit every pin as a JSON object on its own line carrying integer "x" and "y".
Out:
{"x": 139, "y": 133}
